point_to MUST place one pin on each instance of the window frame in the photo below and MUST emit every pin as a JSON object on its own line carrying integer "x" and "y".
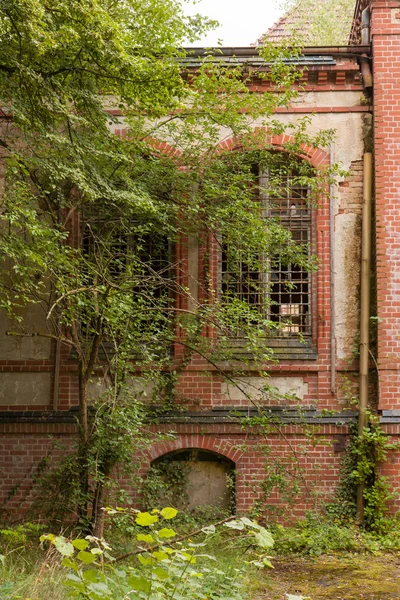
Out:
{"x": 296, "y": 345}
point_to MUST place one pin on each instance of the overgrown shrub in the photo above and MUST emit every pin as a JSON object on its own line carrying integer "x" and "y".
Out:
{"x": 163, "y": 567}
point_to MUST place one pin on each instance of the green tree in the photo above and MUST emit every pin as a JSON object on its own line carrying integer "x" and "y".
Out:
{"x": 89, "y": 219}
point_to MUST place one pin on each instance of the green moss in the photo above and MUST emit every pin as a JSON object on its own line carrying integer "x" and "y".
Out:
{"x": 353, "y": 577}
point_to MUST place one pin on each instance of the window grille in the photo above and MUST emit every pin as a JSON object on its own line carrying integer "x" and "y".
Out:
{"x": 139, "y": 262}
{"x": 279, "y": 292}
{"x": 115, "y": 250}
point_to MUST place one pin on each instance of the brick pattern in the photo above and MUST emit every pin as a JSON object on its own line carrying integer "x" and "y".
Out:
{"x": 385, "y": 21}
{"x": 318, "y": 465}
{"x": 200, "y": 386}
{"x": 24, "y": 452}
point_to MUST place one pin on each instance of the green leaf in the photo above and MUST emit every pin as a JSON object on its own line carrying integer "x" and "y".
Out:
{"x": 120, "y": 573}
{"x": 65, "y": 548}
{"x": 268, "y": 563}
{"x": 101, "y": 589}
{"x": 166, "y": 533}
{"x": 160, "y": 555}
{"x": 70, "y": 564}
{"x": 169, "y": 513}
{"x": 139, "y": 583}
{"x": 86, "y": 557}
{"x": 49, "y": 537}
{"x": 144, "y": 560}
{"x": 145, "y": 519}
{"x": 73, "y": 578}
{"x": 161, "y": 573}
{"x": 189, "y": 557}
{"x": 264, "y": 539}
{"x": 75, "y": 582}
{"x": 141, "y": 537}
{"x": 80, "y": 544}
{"x": 91, "y": 575}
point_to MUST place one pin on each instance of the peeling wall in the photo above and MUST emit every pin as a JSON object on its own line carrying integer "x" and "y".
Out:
{"x": 350, "y": 130}
{"x": 25, "y": 347}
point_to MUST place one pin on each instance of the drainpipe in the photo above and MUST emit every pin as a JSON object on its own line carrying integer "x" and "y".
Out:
{"x": 366, "y": 71}
{"x": 365, "y": 312}
{"x": 365, "y": 39}
{"x": 365, "y": 25}
{"x": 332, "y": 266}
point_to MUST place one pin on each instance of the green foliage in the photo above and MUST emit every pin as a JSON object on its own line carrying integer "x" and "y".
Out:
{"x": 343, "y": 508}
{"x": 361, "y": 464}
{"x": 18, "y": 536}
{"x": 166, "y": 482}
{"x": 371, "y": 450}
{"x": 88, "y": 218}
{"x": 317, "y": 535}
{"x": 163, "y": 569}
{"x": 320, "y": 534}
{"x": 22, "y": 565}
{"x": 282, "y": 475}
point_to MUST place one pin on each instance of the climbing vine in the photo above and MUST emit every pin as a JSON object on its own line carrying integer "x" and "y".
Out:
{"x": 361, "y": 464}
{"x": 371, "y": 450}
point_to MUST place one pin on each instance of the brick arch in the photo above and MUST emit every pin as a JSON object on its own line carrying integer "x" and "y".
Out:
{"x": 218, "y": 446}
{"x": 316, "y": 156}
{"x": 159, "y": 146}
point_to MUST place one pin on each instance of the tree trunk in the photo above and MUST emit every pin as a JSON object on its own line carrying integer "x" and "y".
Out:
{"x": 98, "y": 516}
{"x": 83, "y": 471}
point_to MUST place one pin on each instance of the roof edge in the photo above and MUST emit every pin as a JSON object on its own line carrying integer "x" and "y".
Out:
{"x": 238, "y": 51}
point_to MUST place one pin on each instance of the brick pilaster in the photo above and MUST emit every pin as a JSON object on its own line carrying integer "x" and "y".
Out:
{"x": 385, "y": 31}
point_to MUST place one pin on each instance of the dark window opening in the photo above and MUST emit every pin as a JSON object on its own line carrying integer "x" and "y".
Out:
{"x": 136, "y": 260}
{"x": 278, "y": 291}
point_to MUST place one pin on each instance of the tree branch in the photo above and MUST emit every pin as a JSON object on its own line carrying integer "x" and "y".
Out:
{"x": 179, "y": 539}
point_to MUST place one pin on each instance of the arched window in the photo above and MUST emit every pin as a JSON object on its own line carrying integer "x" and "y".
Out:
{"x": 279, "y": 290}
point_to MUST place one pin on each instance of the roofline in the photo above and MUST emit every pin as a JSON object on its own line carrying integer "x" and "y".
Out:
{"x": 238, "y": 51}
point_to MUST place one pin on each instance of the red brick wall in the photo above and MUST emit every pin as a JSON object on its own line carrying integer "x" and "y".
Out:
{"x": 391, "y": 467}
{"x": 315, "y": 464}
{"x": 23, "y": 448}
{"x": 385, "y": 32}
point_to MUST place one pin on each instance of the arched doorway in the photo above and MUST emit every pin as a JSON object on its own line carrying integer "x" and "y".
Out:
{"x": 193, "y": 478}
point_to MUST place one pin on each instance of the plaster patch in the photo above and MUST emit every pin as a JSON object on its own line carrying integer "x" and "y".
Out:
{"x": 142, "y": 388}
{"x": 25, "y": 388}
{"x": 255, "y": 387}
{"x": 347, "y": 282}
{"x": 27, "y": 347}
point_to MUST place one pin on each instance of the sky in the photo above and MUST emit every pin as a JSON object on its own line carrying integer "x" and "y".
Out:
{"x": 242, "y": 21}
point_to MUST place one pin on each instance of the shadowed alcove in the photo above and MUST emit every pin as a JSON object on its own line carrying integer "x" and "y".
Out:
{"x": 192, "y": 478}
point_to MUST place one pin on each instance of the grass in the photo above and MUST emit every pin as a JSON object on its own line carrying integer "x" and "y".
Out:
{"x": 317, "y": 559}
{"x": 31, "y": 574}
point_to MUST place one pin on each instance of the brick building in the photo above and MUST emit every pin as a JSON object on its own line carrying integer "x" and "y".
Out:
{"x": 353, "y": 89}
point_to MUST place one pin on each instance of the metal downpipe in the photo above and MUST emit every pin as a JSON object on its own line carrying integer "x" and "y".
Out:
{"x": 365, "y": 312}
{"x": 332, "y": 269}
